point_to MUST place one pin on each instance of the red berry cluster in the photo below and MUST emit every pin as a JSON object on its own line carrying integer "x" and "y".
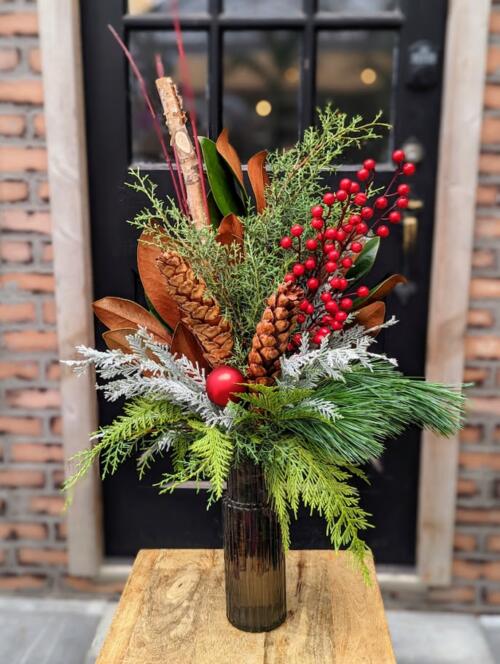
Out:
{"x": 340, "y": 227}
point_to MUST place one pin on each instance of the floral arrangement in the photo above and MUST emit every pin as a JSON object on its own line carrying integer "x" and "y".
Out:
{"x": 259, "y": 341}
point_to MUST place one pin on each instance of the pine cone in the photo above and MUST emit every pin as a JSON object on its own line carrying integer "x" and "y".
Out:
{"x": 200, "y": 312}
{"x": 273, "y": 334}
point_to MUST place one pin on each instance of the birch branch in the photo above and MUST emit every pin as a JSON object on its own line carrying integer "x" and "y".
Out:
{"x": 180, "y": 140}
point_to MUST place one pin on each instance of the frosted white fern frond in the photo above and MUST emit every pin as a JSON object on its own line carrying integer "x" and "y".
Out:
{"x": 326, "y": 409}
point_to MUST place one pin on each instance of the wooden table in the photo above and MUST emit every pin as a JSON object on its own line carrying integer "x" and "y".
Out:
{"x": 173, "y": 611}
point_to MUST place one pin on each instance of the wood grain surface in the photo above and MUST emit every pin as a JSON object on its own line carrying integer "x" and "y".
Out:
{"x": 173, "y": 611}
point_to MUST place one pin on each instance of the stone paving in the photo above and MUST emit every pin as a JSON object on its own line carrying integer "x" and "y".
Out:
{"x": 59, "y": 631}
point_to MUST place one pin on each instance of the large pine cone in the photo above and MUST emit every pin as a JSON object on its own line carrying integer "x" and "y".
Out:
{"x": 273, "y": 334}
{"x": 199, "y": 311}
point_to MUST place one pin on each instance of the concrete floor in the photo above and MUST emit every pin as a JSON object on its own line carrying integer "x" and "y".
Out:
{"x": 53, "y": 631}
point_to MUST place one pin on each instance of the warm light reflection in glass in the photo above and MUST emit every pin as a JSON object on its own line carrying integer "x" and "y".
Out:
{"x": 368, "y": 76}
{"x": 263, "y": 108}
{"x": 291, "y": 75}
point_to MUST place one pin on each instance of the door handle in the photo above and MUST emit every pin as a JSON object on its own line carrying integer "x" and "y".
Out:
{"x": 410, "y": 232}
{"x": 410, "y": 225}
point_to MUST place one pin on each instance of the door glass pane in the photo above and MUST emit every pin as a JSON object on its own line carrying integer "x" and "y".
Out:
{"x": 166, "y": 6}
{"x": 364, "y": 6}
{"x": 144, "y": 45}
{"x": 261, "y": 83}
{"x": 258, "y": 8}
{"x": 354, "y": 73}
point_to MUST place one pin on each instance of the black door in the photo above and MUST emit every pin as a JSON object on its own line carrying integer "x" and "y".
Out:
{"x": 260, "y": 68}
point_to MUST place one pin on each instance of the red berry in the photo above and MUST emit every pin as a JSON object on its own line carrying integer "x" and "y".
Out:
{"x": 345, "y": 184}
{"x": 341, "y": 235}
{"x": 398, "y": 156}
{"x": 342, "y": 283}
{"x": 328, "y": 246}
{"x": 317, "y": 223}
{"x": 297, "y": 230}
{"x": 289, "y": 278}
{"x": 402, "y": 202}
{"x": 301, "y": 318}
{"x": 317, "y": 339}
{"x": 356, "y": 247}
{"x": 311, "y": 244}
{"x": 355, "y": 188}
{"x": 403, "y": 189}
{"x": 409, "y": 169}
{"x": 369, "y": 164}
{"x": 337, "y": 325}
{"x": 324, "y": 331}
{"x": 362, "y": 291}
{"x": 394, "y": 217}
{"x": 298, "y": 269}
{"x": 332, "y": 307}
{"x": 304, "y": 305}
{"x": 354, "y": 219}
{"x": 325, "y": 297}
{"x": 342, "y": 195}
{"x": 363, "y": 174}
{"x": 366, "y": 213}
{"x": 333, "y": 255}
{"x": 326, "y": 319}
{"x": 346, "y": 262}
{"x": 310, "y": 309}
{"x": 310, "y": 263}
{"x": 319, "y": 237}
{"x": 347, "y": 228}
{"x": 382, "y": 231}
{"x": 313, "y": 283}
{"x": 335, "y": 283}
{"x": 346, "y": 303}
{"x": 329, "y": 198}
{"x": 290, "y": 347}
{"x": 381, "y": 203}
{"x": 330, "y": 234}
{"x": 317, "y": 210}
{"x": 362, "y": 228}
{"x": 286, "y": 242}
{"x": 340, "y": 316}
{"x": 297, "y": 338}
{"x": 330, "y": 267}
{"x": 360, "y": 199}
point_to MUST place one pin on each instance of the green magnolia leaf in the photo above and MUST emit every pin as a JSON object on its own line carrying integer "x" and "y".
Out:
{"x": 365, "y": 260}
{"x": 213, "y": 210}
{"x": 221, "y": 179}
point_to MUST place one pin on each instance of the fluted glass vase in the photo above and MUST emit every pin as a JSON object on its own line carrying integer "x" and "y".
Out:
{"x": 253, "y": 553}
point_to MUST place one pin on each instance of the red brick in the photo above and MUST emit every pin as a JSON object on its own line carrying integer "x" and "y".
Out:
{"x": 476, "y": 375}
{"x": 32, "y": 281}
{"x": 29, "y": 531}
{"x": 466, "y": 487}
{"x": 475, "y": 460}
{"x": 53, "y": 505}
{"x": 54, "y": 372}
{"x": 488, "y": 228}
{"x": 22, "y": 582}
{"x": 21, "y": 91}
{"x": 480, "y": 318}
{"x": 23, "y": 370}
{"x": 478, "y": 516}
{"x": 49, "y": 312}
{"x": 494, "y": 21}
{"x": 464, "y": 542}
{"x": 17, "y": 312}
{"x": 20, "y": 220}
{"x": 467, "y": 569}
{"x": 483, "y": 258}
{"x": 35, "y": 60}
{"x": 15, "y": 158}
{"x": 486, "y": 195}
{"x": 39, "y": 124}
{"x": 62, "y": 531}
{"x": 13, "y": 191}
{"x": 21, "y": 478}
{"x": 58, "y": 477}
{"x": 18, "y": 23}
{"x": 492, "y": 96}
{"x": 43, "y": 191}
{"x": 12, "y": 125}
{"x": 16, "y": 252}
{"x": 33, "y": 398}
{"x": 492, "y": 596}
{"x": 42, "y": 556}
{"x": 462, "y": 595}
{"x": 36, "y": 452}
{"x": 9, "y": 58}
{"x": 483, "y": 347}
{"x": 85, "y": 585}
{"x": 48, "y": 253}
{"x": 493, "y": 543}
{"x": 23, "y": 426}
{"x": 485, "y": 405}
{"x": 471, "y": 434}
{"x": 56, "y": 426}
{"x": 485, "y": 288}
{"x": 489, "y": 163}
{"x": 493, "y": 60}
{"x": 30, "y": 340}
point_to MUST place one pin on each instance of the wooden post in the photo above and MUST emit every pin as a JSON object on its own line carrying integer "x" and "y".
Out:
{"x": 175, "y": 119}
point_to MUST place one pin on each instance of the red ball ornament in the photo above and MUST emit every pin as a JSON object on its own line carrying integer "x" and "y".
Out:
{"x": 329, "y": 198}
{"x": 286, "y": 242}
{"x": 223, "y": 384}
{"x": 317, "y": 211}
{"x": 296, "y": 230}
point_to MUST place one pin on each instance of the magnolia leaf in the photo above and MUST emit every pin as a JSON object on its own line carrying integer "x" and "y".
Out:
{"x": 365, "y": 260}
{"x": 117, "y": 339}
{"x": 185, "y": 343}
{"x": 117, "y": 313}
{"x": 153, "y": 282}
{"x": 381, "y": 290}
{"x": 371, "y": 316}
{"x": 213, "y": 211}
{"x": 258, "y": 177}
{"x": 230, "y": 227}
{"x": 226, "y": 150}
{"x": 221, "y": 179}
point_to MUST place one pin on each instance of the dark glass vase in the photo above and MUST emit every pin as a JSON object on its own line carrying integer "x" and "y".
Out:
{"x": 253, "y": 553}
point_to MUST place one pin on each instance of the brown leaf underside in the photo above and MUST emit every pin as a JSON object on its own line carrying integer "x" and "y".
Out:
{"x": 185, "y": 343}
{"x": 228, "y": 152}
{"x": 371, "y": 316}
{"x": 258, "y": 177}
{"x": 118, "y": 313}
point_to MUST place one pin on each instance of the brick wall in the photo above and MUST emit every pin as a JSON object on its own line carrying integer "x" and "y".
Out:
{"x": 32, "y": 532}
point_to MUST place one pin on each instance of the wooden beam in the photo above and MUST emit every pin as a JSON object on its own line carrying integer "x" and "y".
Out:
{"x": 464, "y": 73}
{"x": 65, "y": 123}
